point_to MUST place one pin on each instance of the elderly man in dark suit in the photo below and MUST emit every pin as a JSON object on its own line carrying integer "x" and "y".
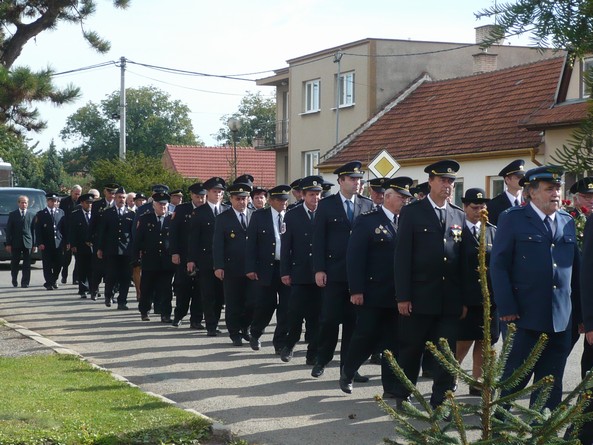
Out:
{"x": 512, "y": 195}
{"x": 296, "y": 271}
{"x": 151, "y": 247}
{"x": 428, "y": 278}
{"x": 534, "y": 267}
{"x": 79, "y": 236}
{"x": 199, "y": 252}
{"x": 471, "y": 331}
{"x": 262, "y": 266}
{"x": 114, "y": 246}
{"x": 19, "y": 241}
{"x": 331, "y": 232}
{"x": 370, "y": 279}
{"x": 228, "y": 248}
{"x": 187, "y": 286}
{"x": 49, "y": 238}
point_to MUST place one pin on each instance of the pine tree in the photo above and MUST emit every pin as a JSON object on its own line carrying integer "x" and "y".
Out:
{"x": 53, "y": 172}
{"x": 489, "y": 421}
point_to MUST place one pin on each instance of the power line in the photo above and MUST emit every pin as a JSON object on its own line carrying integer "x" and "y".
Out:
{"x": 85, "y": 68}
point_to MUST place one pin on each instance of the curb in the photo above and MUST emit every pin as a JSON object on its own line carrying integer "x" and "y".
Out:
{"x": 218, "y": 430}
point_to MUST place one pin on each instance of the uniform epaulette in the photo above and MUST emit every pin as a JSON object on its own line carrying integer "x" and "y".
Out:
{"x": 455, "y": 206}
{"x": 369, "y": 212}
{"x": 564, "y": 212}
{"x": 363, "y": 197}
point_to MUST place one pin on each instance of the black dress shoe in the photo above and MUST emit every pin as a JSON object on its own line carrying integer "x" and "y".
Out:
{"x": 15, "y": 283}
{"x": 360, "y": 378}
{"x": 398, "y": 400}
{"x": 166, "y": 320}
{"x": 237, "y": 341}
{"x": 145, "y": 317}
{"x": 107, "y": 302}
{"x": 345, "y": 383}
{"x": 317, "y": 371}
{"x": 254, "y": 343}
{"x": 212, "y": 333}
{"x": 54, "y": 286}
{"x": 83, "y": 296}
{"x": 75, "y": 282}
{"x": 246, "y": 336}
{"x": 64, "y": 280}
{"x": 94, "y": 297}
{"x": 286, "y": 354}
{"x": 48, "y": 286}
{"x": 122, "y": 307}
{"x": 24, "y": 286}
{"x": 176, "y": 323}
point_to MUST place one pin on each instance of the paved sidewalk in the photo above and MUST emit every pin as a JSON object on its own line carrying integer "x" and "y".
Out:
{"x": 261, "y": 399}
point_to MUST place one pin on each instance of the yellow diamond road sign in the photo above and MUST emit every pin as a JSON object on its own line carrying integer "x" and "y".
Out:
{"x": 383, "y": 165}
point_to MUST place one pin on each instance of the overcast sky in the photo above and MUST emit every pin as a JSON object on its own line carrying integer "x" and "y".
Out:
{"x": 227, "y": 37}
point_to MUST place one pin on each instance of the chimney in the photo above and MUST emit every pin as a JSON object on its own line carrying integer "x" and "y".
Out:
{"x": 485, "y": 61}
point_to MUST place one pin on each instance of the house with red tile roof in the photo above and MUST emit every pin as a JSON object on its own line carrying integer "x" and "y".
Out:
{"x": 483, "y": 121}
{"x": 202, "y": 163}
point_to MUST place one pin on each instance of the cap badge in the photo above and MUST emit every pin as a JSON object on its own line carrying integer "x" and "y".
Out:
{"x": 241, "y": 189}
{"x": 520, "y": 167}
{"x": 314, "y": 182}
{"x": 590, "y": 186}
{"x": 407, "y": 187}
{"x": 356, "y": 169}
{"x": 449, "y": 170}
{"x": 479, "y": 196}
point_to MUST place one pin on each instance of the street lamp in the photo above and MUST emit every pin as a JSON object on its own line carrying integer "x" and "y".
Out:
{"x": 234, "y": 125}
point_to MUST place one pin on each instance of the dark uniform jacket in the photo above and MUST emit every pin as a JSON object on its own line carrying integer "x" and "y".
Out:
{"x": 80, "y": 232}
{"x": 180, "y": 229}
{"x": 370, "y": 259}
{"x": 496, "y": 206}
{"x": 534, "y": 275}
{"x": 19, "y": 231}
{"x": 115, "y": 232}
{"x": 151, "y": 243}
{"x": 48, "y": 230}
{"x": 330, "y": 235}
{"x": 261, "y": 246}
{"x": 296, "y": 257}
{"x": 472, "y": 288}
{"x": 228, "y": 245}
{"x": 97, "y": 209}
{"x": 428, "y": 259}
{"x": 586, "y": 280}
{"x": 67, "y": 205}
{"x": 201, "y": 235}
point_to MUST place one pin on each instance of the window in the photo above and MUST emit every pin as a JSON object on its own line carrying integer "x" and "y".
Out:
{"x": 496, "y": 186}
{"x": 312, "y": 88}
{"x": 346, "y": 89}
{"x": 458, "y": 192}
{"x": 587, "y": 68}
{"x": 311, "y": 160}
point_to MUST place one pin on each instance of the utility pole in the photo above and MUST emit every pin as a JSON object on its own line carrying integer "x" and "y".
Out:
{"x": 122, "y": 111}
{"x": 337, "y": 59}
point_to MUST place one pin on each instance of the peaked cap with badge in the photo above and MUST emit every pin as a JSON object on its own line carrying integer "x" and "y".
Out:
{"x": 548, "y": 173}
{"x": 197, "y": 188}
{"x": 584, "y": 185}
{"x": 401, "y": 184}
{"x": 239, "y": 189}
{"x": 378, "y": 184}
{"x": 215, "y": 183}
{"x": 475, "y": 196}
{"x": 447, "y": 168}
{"x": 352, "y": 169}
{"x": 312, "y": 183}
{"x": 517, "y": 167}
{"x": 280, "y": 192}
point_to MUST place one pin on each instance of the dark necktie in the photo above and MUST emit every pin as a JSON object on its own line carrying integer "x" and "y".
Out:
{"x": 475, "y": 230}
{"x": 395, "y": 222}
{"x": 279, "y": 223}
{"x": 516, "y": 203}
{"x": 87, "y": 215}
{"x": 311, "y": 215}
{"x": 161, "y": 221}
{"x": 23, "y": 215}
{"x": 547, "y": 223}
{"x": 242, "y": 215}
{"x": 216, "y": 211}
{"x": 349, "y": 210}
{"x": 441, "y": 216}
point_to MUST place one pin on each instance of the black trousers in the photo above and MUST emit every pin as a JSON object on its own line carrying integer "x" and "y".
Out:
{"x": 414, "y": 331}
{"x": 66, "y": 261}
{"x": 336, "y": 309}
{"x": 304, "y": 303}
{"x": 551, "y": 362}
{"x": 238, "y": 305}
{"x": 16, "y": 255}
{"x": 267, "y": 300}
{"x": 97, "y": 273}
{"x": 374, "y": 326}
{"x": 52, "y": 263}
{"x": 187, "y": 295}
{"x": 157, "y": 282}
{"x": 83, "y": 263}
{"x": 212, "y": 295}
{"x": 118, "y": 272}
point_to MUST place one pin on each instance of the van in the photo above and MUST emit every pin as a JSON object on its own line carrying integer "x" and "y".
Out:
{"x": 8, "y": 203}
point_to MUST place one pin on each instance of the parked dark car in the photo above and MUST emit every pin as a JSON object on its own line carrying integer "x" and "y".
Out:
{"x": 8, "y": 203}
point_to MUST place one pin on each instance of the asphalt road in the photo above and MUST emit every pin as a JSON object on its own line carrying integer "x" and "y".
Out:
{"x": 262, "y": 399}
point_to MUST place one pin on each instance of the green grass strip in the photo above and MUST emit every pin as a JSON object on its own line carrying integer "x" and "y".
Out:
{"x": 60, "y": 399}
